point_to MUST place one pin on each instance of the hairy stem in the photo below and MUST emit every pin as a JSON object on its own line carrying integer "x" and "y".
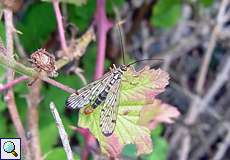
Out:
{"x": 60, "y": 26}
{"x": 9, "y": 97}
{"x": 103, "y": 25}
{"x": 12, "y": 83}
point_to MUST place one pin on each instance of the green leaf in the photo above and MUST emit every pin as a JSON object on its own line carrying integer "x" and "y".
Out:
{"x": 21, "y": 88}
{"x": 2, "y": 32}
{"x": 166, "y": 13}
{"x": 160, "y": 149}
{"x": 21, "y": 106}
{"x": 58, "y": 153}
{"x": 206, "y": 3}
{"x": 82, "y": 16}
{"x": 110, "y": 4}
{"x": 137, "y": 90}
{"x": 3, "y": 125}
{"x": 157, "y": 131}
{"x": 37, "y": 25}
{"x": 75, "y": 2}
{"x": 48, "y": 137}
{"x": 129, "y": 150}
{"x": 89, "y": 62}
{"x": 2, "y": 105}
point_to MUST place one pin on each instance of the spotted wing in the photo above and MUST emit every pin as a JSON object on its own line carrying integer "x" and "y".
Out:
{"x": 88, "y": 93}
{"x": 108, "y": 115}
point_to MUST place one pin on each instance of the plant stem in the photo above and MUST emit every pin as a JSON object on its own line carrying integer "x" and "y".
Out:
{"x": 9, "y": 97}
{"x": 33, "y": 98}
{"x": 20, "y": 68}
{"x": 211, "y": 46}
{"x": 12, "y": 83}
{"x": 103, "y": 25}
{"x": 60, "y": 26}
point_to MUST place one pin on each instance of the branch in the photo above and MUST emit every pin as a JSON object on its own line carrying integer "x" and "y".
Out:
{"x": 30, "y": 72}
{"x": 60, "y": 26}
{"x": 9, "y": 97}
{"x": 33, "y": 99}
{"x": 211, "y": 45}
{"x": 194, "y": 112}
{"x": 223, "y": 147}
{"x": 103, "y": 25}
{"x": 62, "y": 132}
{"x": 12, "y": 83}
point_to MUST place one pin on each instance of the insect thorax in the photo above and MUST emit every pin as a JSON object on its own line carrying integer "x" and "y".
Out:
{"x": 117, "y": 74}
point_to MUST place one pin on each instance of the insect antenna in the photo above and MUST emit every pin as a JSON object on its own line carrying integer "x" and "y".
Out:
{"x": 121, "y": 38}
{"x": 145, "y": 60}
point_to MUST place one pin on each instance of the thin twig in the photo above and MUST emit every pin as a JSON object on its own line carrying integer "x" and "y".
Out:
{"x": 203, "y": 103}
{"x": 60, "y": 26}
{"x": 12, "y": 83}
{"x": 62, "y": 132}
{"x": 185, "y": 142}
{"x": 19, "y": 47}
{"x": 59, "y": 85}
{"x": 218, "y": 131}
{"x": 211, "y": 45}
{"x": 223, "y": 147}
{"x": 10, "y": 76}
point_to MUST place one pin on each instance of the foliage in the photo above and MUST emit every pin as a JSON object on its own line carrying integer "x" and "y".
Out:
{"x": 137, "y": 93}
{"x": 206, "y": 3}
{"x": 2, "y": 31}
{"x": 166, "y": 13}
{"x": 58, "y": 153}
{"x": 137, "y": 109}
{"x": 34, "y": 28}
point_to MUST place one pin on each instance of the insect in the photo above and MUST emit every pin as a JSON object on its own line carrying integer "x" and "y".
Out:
{"x": 103, "y": 92}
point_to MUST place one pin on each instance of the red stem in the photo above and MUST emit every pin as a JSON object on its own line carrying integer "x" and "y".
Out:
{"x": 12, "y": 83}
{"x": 60, "y": 26}
{"x": 9, "y": 97}
{"x": 63, "y": 87}
{"x": 103, "y": 25}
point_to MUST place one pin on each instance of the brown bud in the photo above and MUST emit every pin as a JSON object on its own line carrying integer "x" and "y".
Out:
{"x": 43, "y": 60}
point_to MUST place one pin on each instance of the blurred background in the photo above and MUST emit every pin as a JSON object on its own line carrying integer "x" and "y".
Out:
{"x": 192, "y": 38}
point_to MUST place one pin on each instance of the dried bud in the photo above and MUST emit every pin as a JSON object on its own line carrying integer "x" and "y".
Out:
{"x": 44, "y": 61}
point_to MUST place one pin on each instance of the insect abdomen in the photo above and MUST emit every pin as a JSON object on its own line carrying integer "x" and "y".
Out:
{"x": 102, "y": 96}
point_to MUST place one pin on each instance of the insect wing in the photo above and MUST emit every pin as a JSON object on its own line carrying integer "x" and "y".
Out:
{"x": 108, "y": 115}
{"x": 88, "y": 93}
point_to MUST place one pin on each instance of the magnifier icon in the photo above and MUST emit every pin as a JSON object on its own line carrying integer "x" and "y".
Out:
{"x": 9, "y": 147}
